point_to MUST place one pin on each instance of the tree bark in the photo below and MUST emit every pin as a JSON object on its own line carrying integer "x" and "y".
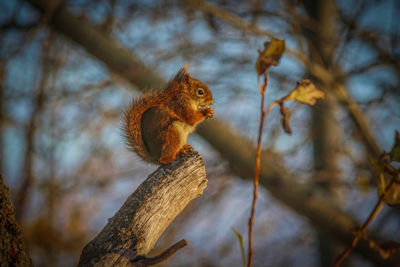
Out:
{"x": 131, "y": 234}
{"x": 325, "y": 129}
{"x": 12, "y": 247}
{"x": 239, "y": 151}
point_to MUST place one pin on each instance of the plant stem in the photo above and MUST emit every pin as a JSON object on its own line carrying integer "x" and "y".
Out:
{"x": 263, "y": 89}
{"x": 378, "y": 207}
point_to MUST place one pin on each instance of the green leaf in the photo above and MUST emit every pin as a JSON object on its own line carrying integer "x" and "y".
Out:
{"x": 240, "y": 239}
{"x": 395, "y": 152}
{"x": 271, "y": 55}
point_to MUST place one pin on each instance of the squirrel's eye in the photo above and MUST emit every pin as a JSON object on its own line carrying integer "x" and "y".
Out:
{"x": 200, "y": 91}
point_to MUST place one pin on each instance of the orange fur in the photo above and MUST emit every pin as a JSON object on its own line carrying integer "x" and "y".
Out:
{"x": 157, "y": 124}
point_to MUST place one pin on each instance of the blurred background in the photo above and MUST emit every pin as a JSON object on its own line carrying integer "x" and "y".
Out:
{"x": 68, "y": 69}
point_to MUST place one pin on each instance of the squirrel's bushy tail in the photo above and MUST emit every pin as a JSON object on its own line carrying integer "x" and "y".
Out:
{"x": 132, "y": 125}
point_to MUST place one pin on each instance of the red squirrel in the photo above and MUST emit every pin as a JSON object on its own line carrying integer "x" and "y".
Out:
{"x": 157, "y": 124}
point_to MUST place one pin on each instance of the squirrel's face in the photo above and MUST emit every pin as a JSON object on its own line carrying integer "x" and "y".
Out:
{"x": 200, "y": 95}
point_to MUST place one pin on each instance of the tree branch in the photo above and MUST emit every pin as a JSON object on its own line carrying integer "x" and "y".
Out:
{"x": 361, "y": 232}
{"x": 146, "y": 261}
{"x": 131, "y": 234}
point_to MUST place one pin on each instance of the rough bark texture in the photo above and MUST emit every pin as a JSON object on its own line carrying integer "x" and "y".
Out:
{"x": 12, "y": 247}
{"x": 136, "y": 227}
{"x": 236, "y": 149}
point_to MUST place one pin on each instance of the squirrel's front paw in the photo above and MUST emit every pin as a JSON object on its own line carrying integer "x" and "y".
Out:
{"x": 208, "y": 112}
{"x": 185, "y": 149}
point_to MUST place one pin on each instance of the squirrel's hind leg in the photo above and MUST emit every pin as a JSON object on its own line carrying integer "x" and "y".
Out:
{"x": 170, "y": 146}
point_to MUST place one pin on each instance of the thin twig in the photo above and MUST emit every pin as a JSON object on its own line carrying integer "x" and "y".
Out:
{"x": 270, "y": 107}
{"x": 263, "y": 89}
{"x": 378, "y": 207}
{"x": 145, "y": 261}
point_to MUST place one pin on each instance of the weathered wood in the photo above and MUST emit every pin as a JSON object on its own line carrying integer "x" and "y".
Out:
{"x": 136, "y": 227}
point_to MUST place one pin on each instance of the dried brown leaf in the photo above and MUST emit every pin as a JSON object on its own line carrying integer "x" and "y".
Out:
{"x": 306, "y": 93}
{"x": 386, "y": 249}
{"x": 270, "y": 55}
{"x": 285, "y": 119}
{"x": 392, "y": 196}
{"x": 390, "y": 247}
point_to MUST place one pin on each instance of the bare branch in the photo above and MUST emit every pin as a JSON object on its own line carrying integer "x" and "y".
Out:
{"x": 378, "y": 207}
{"x": 263, "y": 89}
{"x": 163, "y": 256}
{"x": 359, "y": 119}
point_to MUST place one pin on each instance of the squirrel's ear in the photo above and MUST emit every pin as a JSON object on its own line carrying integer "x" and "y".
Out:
{"x": 182, "y": 75}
